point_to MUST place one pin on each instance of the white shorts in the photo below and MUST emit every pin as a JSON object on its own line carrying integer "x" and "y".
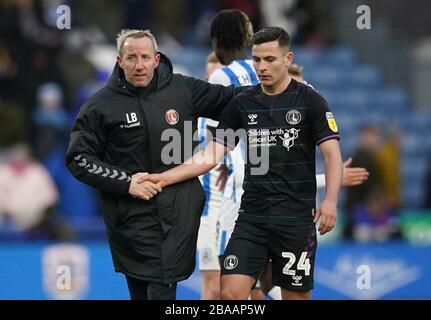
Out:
{"x": 208, "y": 230}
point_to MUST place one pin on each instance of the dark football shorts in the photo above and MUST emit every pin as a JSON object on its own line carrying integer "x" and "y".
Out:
{"x": 292, "y": 249}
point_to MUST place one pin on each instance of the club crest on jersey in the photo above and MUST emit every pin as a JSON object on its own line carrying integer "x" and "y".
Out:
{"x": 293, "y": 117}
{"x": 289, "y": 138}
{"x": 172, "y": 116}
{"x": 230, "y": 262}
{"x": 331, "y": 121}
{"x": 252, "y": 118}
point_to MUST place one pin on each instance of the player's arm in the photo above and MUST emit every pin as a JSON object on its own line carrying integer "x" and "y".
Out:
{"x": 84, "y": 156}
{"x": 197, "y": 165}
{"x": 207, "y": 159}
{"x": 327, "y": 212}
{"x": 351, "y": 176}
{"x": 209, "y": 100}
{"x": 325, "y": 132}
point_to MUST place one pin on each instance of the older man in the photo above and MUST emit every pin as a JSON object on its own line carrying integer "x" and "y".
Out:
{"x": 117, "y": 135}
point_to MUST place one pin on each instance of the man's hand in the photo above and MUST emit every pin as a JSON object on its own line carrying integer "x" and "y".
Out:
{"x": 145, "y": 189}
{"x": 222, "y": 177}
{"x": 327, "y": 212}
{"x": 353, "y": 176}
{"x": 156, "y": 178}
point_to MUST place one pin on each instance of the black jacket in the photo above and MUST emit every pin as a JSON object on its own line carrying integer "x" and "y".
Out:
{"x": 117, "y": 133}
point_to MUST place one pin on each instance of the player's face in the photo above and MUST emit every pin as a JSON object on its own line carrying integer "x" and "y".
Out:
{"x": 138, "y": 60}
{"x": 271, "y": 62}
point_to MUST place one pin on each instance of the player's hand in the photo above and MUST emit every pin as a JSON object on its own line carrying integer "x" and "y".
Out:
{"x": 145, "y": 189}
{"x": 154, "y": 178}
{"x": 222, "y": 177}
{"x": 353, "y": 176}
{"x": 327, "y": 212}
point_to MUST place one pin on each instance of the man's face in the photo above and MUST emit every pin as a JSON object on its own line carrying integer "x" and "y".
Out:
{"x": 138, "y": 59}
{"x": 271, "y": 62}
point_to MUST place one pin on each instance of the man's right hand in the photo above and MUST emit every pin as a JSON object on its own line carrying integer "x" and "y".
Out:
{"x": 143, "y": 190}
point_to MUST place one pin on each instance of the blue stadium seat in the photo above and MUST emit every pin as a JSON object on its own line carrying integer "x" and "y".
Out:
{"x": 419, "y": 122}
{"x": 414, "y": 167}
{"x": 305, "y": 57}
{"x": 338, "y": 56}
{"x": 414, "y": 144}
{"x": 324, "y": 76}
{"x": 412, "y": 194}
{"x": 391, "y": 96}
{"x": 368, "y": 77}
{"x": 345, "y": 120}
{"x": 353, "y": 99}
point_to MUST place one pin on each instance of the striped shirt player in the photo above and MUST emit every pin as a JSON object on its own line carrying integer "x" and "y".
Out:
{"x": 221, "y": 208}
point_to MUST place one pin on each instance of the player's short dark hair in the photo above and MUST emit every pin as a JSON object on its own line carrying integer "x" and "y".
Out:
{"x": 269, "y": 34}
{"x": 232, "y": 29}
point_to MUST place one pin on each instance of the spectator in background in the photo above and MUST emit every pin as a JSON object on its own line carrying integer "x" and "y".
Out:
{"x": 37, "y": 45}
{"x": 49, "y": 120}
{"x": 7, "y": 71}
{"x": 13, "y": 124}
{"x": 296, "y": 73}
{"x": 28, "y": 196}
{"x": 370, "y": 208}
{"x": 363, "y": 157}
{"x": 375, "y": 219}
{"x": 384, "y": 206}
{"x": 388, "y": 167}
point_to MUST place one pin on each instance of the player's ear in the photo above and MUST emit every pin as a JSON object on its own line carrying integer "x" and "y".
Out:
{"x": 289, "y": 57}
{"x": 157, "y": 59}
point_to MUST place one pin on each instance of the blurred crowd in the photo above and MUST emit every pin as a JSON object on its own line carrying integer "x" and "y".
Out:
{"x": 47, "y": 73}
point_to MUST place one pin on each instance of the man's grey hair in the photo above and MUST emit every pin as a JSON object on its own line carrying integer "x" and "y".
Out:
{"x": 134, "y": 33}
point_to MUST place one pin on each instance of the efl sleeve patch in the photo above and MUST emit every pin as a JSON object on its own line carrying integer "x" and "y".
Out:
{"x": 331, "y": 121}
